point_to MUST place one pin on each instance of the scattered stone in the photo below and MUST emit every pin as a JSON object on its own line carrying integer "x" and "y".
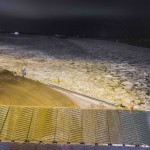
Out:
{"x": 97, "y": 68}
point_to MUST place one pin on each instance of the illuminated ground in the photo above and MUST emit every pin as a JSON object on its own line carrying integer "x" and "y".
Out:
{"x": 15, "y": 90}
{"x": 102, "y": 69}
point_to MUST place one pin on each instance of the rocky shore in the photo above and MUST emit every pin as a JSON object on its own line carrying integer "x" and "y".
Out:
{"x": 107, "y": 70}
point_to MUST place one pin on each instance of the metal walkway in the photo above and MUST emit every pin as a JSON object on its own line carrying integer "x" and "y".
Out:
{"x": 39, "y": 146}
{"x": 74, "y": 126}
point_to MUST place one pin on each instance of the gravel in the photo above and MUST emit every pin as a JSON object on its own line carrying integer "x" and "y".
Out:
{"x": 103, "y": 69}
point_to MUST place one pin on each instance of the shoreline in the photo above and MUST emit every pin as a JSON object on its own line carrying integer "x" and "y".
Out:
{"x": 101, "y": 69}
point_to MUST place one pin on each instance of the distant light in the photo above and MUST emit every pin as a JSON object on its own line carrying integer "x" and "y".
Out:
{"x": 16, "y": 33}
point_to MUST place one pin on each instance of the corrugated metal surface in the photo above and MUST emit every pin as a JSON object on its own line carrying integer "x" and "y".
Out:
{"x": 75, "y": 126}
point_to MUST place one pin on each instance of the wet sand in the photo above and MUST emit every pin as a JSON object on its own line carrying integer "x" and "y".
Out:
{"x": 16, "y": 90}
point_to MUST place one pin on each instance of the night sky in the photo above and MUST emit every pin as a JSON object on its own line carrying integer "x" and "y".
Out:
{"x": 124, "y": 18}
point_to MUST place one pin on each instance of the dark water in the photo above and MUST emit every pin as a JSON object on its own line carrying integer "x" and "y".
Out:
{"x": 115, "y": 18}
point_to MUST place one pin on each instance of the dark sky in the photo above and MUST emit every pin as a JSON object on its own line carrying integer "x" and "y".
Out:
{"x": 90, "y": 17}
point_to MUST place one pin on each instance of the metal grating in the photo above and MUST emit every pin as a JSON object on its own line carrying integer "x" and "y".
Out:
{"x": 102, "y": 131}
{"x": 128, "y": 128}
{"x": 10, "y": 126}
{"x": 3, "y": 115}
{"x": 74, "y": 126}
{"x": 75, "y": 135}
{"x": 63, "y": 125}
{"x": 89, "y": 126}
{"x": 142, "y": 127}
{"x": 23, "y": 125}
{"x": 115, "y": 129}
{"x": 50, "y": 125}
{"x": 43, "y": 125}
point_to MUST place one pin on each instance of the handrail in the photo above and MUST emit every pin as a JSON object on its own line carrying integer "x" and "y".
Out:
{"x": 87, "y": 96}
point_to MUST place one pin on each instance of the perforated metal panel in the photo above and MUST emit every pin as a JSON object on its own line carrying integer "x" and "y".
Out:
{"x": 63, "y": 126}
{"x": 43, "y": 125}
{"x": 142, "y": 126}
{"x": 102, "y": 131}
{"x": 89, "y": 126}
{"x": 75, "y": 135}
{"x": 115, "y": 129}
{"x": 23, "y": 125}
{"x": 3, "y": 116}
{"x": 128, "y": 128}
{"x": 10, "y": 125}
{"x": 50, "y": 125}
{"x": 66, "y": 125}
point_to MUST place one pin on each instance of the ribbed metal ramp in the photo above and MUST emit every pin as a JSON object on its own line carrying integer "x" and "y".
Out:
{"x": 73, "y": 126}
